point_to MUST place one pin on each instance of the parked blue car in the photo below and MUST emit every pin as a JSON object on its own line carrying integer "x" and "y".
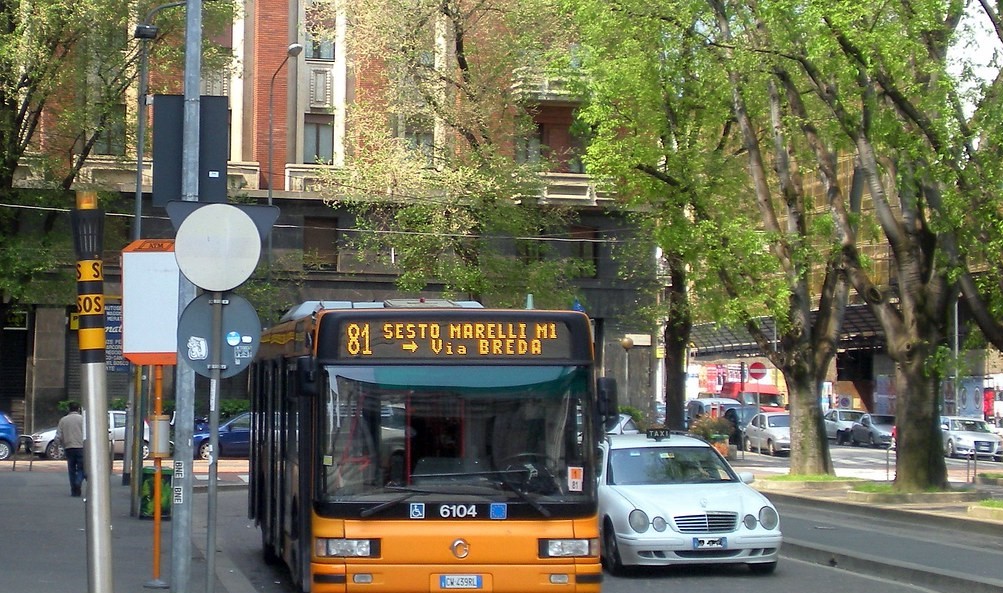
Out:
{"x": 8, "y": 436}
{"x": 234, "y": 438}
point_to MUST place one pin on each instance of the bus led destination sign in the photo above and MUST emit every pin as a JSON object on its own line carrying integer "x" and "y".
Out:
{"x": 460, "y": 339}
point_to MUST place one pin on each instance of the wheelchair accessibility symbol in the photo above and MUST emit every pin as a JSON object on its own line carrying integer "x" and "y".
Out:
{"x": 417, "y": 510}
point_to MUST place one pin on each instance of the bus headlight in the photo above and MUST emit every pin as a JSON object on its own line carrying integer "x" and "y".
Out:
{"x": 568, "y": 548}
{"x": 345, "y": 548}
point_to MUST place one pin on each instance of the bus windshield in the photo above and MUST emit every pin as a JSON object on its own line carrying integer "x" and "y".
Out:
{"x": 474, "y": 434}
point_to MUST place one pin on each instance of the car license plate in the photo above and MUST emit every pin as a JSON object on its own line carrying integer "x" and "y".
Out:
{"x": 460, "y": 581}
{"x": 709, "y": 543}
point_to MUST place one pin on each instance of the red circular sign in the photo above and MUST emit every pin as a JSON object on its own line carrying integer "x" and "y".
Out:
{"x": 757, "y": 370}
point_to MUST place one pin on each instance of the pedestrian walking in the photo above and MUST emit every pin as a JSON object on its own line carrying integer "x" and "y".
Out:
{"x": 70, "y": 434}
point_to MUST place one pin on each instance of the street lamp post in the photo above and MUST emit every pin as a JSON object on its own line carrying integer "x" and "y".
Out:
{"x": 144, "y": 31}
{"x": 292, "y": 51}
{"x": 627, "y": 342}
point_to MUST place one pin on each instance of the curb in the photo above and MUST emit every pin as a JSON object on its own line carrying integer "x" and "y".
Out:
{"x": 930, "y": 517}
{"x": 202, "y": 486}
{"x": 989, "y": 513}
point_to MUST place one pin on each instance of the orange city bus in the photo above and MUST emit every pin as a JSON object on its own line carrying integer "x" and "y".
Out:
{"x": 427, "y": 446}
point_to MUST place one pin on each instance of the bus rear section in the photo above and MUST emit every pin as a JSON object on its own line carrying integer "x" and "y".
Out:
{"x": 435, "y": 451}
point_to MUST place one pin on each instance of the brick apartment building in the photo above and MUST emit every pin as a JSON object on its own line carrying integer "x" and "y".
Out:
{"x": 308, "y": 98}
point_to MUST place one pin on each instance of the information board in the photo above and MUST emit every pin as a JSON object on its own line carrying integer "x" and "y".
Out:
{"x": 454, "y": 338}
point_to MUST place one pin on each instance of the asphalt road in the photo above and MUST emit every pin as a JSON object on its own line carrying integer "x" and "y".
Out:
{"x": 898, "y": 541}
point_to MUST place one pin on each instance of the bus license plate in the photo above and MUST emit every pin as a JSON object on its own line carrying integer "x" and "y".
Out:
{"x": 460, "y": 581}
{"x": 707, "y": 543}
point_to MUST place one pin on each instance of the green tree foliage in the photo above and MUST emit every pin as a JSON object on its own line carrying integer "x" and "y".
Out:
{"x": 692, "y": 156}
{"x": 65, "y": 69}
{"x": 839, "y": 96}
{"x": 433, "y": 178}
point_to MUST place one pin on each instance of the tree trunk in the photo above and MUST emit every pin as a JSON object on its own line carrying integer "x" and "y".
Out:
{"x": 678, "y": 325}
{"x": 809, "y": 444}
{"x": 919, "y": 455}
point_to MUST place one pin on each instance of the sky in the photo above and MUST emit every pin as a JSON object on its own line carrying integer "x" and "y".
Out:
{"x": 981, "y": 51}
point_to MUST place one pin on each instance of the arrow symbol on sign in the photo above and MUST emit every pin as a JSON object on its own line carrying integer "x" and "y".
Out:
{"x": 412, "y": 347}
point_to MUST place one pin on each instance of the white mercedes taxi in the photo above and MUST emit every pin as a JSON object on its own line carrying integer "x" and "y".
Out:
{"x": 667, "y": 498}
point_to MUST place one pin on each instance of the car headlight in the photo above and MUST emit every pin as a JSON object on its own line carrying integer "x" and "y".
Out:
{"x": 329, "y": 547}
{"x": 659, "y": 524}
{"x": 568, "y": 548}
{"x": 769, "y": 518}
{"x": 638, "y": 520}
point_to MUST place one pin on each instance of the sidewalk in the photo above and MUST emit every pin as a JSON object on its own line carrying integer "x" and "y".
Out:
{"x": 44, "y": 543}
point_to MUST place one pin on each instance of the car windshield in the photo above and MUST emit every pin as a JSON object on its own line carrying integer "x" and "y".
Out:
{"x": 969, "y": 425}
{"x": 781, "y": 421}
{"x": 851, "y": 416}
{"x": 881, "y": 419}
{"x": 667, "y": 465}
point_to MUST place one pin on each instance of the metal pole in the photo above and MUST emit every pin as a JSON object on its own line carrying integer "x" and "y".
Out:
{"x": 88, "y": 227}
{"x": 137, "y": 232}
{"x": 156, "y": 582}
{"x": 181, "y": 516}
{"x": 146, "y": 32}
{"x": 215, "y": 366}
{"x": 293, "y": 50}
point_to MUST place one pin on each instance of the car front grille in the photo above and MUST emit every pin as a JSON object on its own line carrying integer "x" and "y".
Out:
{"x": 707, "y": 523}
{"x": 987, "y": 446}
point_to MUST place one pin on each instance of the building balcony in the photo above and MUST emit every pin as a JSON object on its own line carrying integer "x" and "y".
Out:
{"x": 113, "y": 173}
{"x": 531, "y": 85}
{"x": 301, "y": 181}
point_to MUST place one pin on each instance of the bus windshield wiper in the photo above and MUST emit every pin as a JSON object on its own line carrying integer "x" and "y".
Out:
{"x": 408, "y": 492}
{"x": 523, "y": 495}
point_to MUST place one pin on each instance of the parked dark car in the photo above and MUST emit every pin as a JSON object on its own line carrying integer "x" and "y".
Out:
{"x": 873, "y": 429}
{"x": 234, "y": 438}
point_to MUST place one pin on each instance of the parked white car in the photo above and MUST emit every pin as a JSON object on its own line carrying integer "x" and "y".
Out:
{"x": 769, "y": 432}
{"x": 838, "y": 424}
{"x": 675, "y": 500}
{"x": 624, "y": 424}
{"x": 43, "y": 441}
{"x": 965, "y": 436}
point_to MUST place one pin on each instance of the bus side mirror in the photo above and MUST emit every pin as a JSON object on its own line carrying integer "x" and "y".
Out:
{"x": 306, "y": 376}
{"x": 606, "y": 398}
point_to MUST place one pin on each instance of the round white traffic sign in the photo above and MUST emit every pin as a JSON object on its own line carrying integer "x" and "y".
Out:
{"x": 217, "y": 247}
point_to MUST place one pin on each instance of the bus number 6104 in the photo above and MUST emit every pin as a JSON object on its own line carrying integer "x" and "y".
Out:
{"x": 457, "y": 511}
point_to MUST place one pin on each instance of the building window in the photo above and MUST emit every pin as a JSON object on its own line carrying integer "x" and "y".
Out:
{"x": 529, "y": 150}
{"x": 318, "y": 139}
{"x": 111, "y": 139}
{"x": 586, "y": 248}
{"x": 530, "y": 251}
{"x": 421, "y": 141}
{"x": 320, "y": 243}
{"x": 320, "y": 49}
